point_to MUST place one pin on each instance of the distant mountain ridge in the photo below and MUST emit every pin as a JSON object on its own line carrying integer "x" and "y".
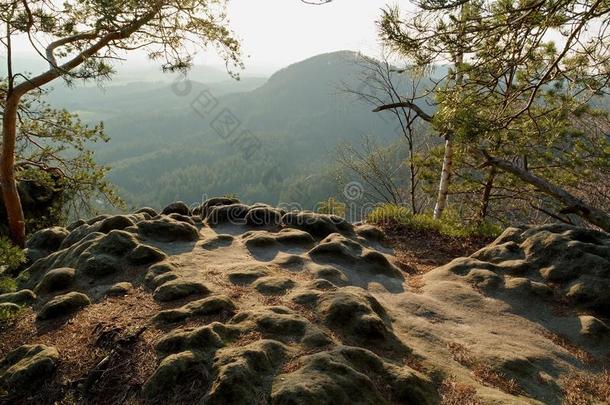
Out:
{"x": 162, "y": 149}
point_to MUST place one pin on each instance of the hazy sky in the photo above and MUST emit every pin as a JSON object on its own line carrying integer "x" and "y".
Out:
{"x": 276, "y": 33}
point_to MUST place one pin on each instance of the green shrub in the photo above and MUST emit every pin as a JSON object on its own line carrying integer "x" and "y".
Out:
{"x": 10, "y": 255}
{"x": 332, "y": 207}
{"x": 7, "y": 285}
{"x": 8, "y": 315}
{"x": 450, "y": 225}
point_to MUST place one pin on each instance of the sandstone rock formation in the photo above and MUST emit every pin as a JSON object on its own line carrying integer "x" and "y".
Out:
{"x": 237, "y": 304}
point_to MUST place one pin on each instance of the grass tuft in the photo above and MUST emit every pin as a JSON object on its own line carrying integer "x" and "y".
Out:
{"x": 449, "y": 225}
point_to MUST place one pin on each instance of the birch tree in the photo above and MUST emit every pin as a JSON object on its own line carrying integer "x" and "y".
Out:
{"x": 415, "y": 37}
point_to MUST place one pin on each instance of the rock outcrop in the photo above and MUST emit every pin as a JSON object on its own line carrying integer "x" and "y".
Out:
{"x": 237, "y": 304}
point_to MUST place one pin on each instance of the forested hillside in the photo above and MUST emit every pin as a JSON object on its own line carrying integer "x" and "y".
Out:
{"x": 162, "y": 149}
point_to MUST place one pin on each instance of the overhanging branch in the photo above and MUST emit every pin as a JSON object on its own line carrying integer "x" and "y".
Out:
{"x": 573, "y": 204}
{"x": 406, "y": 104}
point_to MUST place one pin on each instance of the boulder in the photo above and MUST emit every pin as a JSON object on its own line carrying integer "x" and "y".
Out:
{"x": 75, "y": 225}
{"x": 182, "y": 218}
{"x": 27, "y": 367}
{"x": 48, "y": 240}
{"x": 119, "y": 289}
{"x": 145, "y": 255}
{"x": 294, "y": 237}
{"x": 63, "y": 305}
{"x": 97, "y": 219}
{"x": 177, "y": 208}
{"x": 370, "y": 233}
{"x": 242, "y": 372}
{"x": 273, "y": 285}
{"x": 175, "y": 370}
{"x": 205, "y": 208}
{"x": 264, "y": 216}
{"x": 227, "y": 214}
{"x": 115, "y": 243}
{"x": 100, "y": 266}
{"x": 117, "y": 222}
{"x": 147, "y": 210}
{"x": 178, "y": 289}
{"x": 56, "y": 280}
{"x": 215, "y": 305}
{"x": 22, "y": 297}
{"x": 593, "y": 327}
{"x": 349, "y": 375}
{"x": 168, "y": 230}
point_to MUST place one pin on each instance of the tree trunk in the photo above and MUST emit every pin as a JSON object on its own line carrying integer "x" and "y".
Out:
{"x": 593, "y": 215}
{"x": 413, "y": 179}
{"x": 10, "y": 194}
{"x": 443, "y": 188}
{"x": 487, "y": 193}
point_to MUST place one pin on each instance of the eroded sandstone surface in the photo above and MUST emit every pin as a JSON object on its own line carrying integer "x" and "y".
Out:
{"x": 237, "y": 304}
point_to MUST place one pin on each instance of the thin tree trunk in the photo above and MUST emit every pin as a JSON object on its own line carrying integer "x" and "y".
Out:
{"x": 10, "y": 194}
{"x": 413, "y": 184}
{"x": 443, "y": 189}
{"x": 593, "y": 215}
{"x": 487, "y": 193}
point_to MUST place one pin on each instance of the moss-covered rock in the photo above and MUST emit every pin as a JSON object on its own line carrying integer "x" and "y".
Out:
{"x": 227, "y": 214}
{"x": 356, "y": 314}
{"x": 175, "y": 371}
{"x": 144, "y": 254}
{"x": 215, "y": 305}
{"x": 247, "y": 276}
{"x": 243, "y": 373}
{"x": 349, "y": 375}
{"x": 48, "y": 240}
{"x": 168, "y": 230}
{"x": 274, "y": 285}
{"x": 206, "y": 207}
{"x": 27, "y": 367}
{"x": 100, "y": 266}
{"x": 264, "y": 216}
{"x": 318, "y": 225}
{"x": 294, "y": 237}
{"x": 116, "y": 243}
{"x": 204, "y": 340}
{"x": 119, "y": 289}
{"x": 176, "y": 208}
{"x": 370, "y": 233}
{"x": 22, "y": 297}
{"x": 56, "y": 280}
{"x": 117, "y": 222}
{"x": 593, "y": 327}
{"x": 157, "y": 270}
{"x": 178, "y": 289}
{"x": 151, "y": 212}
{"x": 63, "y": 305}
{"x": 7, "y": 311}
{"x": 558, "y": 261}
